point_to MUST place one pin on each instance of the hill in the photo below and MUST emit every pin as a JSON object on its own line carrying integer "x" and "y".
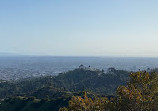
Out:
{"x": 73, "y": 81}
{"x": 51, "y": 90}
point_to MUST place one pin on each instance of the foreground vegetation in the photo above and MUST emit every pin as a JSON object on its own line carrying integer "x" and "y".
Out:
{"x": 141, "y": 94}
{"x": 82, "y": 90}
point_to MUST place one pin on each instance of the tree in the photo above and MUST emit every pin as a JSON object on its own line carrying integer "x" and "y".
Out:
{"x": 140, "y": 94}
{"x": 77, "y": 103}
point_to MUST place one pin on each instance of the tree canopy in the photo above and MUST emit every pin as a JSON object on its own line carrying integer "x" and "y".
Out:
{"x": 140, "y": 94}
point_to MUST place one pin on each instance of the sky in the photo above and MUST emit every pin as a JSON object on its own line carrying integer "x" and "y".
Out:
{"x": 79, "y": 27}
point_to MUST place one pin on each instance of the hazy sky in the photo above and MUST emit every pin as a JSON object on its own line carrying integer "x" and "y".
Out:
{"x": 79, "y": 27}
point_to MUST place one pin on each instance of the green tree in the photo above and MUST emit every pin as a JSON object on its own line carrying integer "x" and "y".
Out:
{"x": 140, "y": 94}
{"x": 77, "y": 103}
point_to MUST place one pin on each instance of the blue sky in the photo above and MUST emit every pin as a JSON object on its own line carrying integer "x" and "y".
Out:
{"x": 79, "y": 27}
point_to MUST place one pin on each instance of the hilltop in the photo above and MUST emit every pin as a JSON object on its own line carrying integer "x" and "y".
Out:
{"x": 59, "y": 89}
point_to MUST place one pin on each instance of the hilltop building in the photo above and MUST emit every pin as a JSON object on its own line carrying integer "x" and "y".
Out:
{"x": 82, "y": 67}
{"x": 88, "y": 68}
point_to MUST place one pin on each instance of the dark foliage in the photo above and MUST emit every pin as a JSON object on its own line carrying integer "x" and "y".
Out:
{"x": 52, "y": 92}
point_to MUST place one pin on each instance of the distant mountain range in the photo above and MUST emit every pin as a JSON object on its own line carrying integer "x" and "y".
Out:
{"x": 8, "y": 54}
